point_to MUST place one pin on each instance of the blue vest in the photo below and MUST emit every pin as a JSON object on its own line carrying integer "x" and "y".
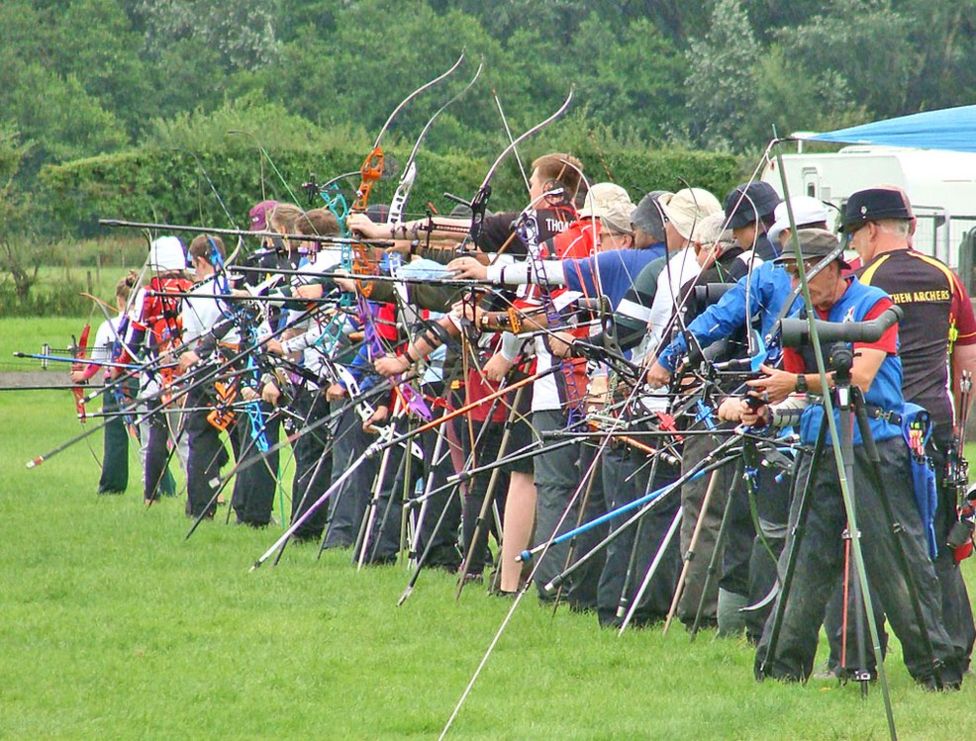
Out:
{"x": 885, "y": 392}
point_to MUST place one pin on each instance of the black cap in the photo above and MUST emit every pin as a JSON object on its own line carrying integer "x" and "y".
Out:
{"x": 815, "y": 244}
{"x": 750, "y": 202}
{"x": 873, "y": 204}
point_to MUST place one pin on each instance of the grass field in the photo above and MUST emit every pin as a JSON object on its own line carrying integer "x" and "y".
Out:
{"x": 27, "y": 335}
{"x": 112, "y": 626}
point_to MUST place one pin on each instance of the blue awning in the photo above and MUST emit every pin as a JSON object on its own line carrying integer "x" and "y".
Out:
{"x": 949, "y": 128}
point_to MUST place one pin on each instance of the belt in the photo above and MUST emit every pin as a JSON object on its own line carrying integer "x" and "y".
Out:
{"x": 885, "y": 415}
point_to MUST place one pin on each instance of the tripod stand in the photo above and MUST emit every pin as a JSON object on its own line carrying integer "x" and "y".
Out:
{"x": 813, "y": 515}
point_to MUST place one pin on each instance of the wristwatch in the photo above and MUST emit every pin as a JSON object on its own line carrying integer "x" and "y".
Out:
{"x": 801, "y": 384}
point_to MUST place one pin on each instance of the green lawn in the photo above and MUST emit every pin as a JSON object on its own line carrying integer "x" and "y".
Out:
{"x": 112, "y": 626}
{"x": 28, "y": 334}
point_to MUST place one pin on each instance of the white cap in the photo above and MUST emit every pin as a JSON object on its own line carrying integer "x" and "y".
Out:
{"x": 616, "y": 215}
{"x": 807, "y": 210}
{"x": 687, "y": 208}
{"x": 166, "y": 254}
{"x": 600, "y": 196}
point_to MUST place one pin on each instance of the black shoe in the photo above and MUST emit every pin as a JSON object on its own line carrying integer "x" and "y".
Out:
{"x": 502, "y": 593}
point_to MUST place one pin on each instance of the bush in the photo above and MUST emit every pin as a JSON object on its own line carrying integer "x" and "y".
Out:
{"x": 168, "y": 185}
{"x": 158, "y": 185}
{"x": 251, "y": 150}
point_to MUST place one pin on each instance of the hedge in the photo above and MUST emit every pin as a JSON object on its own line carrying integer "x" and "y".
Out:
{"x": 170, "y": 185}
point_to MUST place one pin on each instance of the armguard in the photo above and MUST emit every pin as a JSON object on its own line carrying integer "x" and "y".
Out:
{"x": 787, "y": 413}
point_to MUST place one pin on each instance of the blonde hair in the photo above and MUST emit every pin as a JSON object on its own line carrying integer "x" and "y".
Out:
{"x": 284, "y": 217}
{"x": 125, "y": 285}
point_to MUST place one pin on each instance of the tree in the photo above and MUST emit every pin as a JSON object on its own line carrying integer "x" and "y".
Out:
{"x": 942, "y": 35}
{"x": 633, "y": 82}
{"x": 13, "y": 152}
{"x": 242, "y": 33}
{"x": 792, "y": 99}
{"x": 721, "y": 85}
{"x": 866, "y": 43}
{"x": 101, "y": 57}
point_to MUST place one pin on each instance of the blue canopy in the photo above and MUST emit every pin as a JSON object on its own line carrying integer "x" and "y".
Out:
{"x": 949, "y": 128}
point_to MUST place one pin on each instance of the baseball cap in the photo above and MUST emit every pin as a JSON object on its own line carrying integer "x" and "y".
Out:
{"x": 815, "y": 244}
{"x": 258, "y": 215}
{"x": 806, "y": 210}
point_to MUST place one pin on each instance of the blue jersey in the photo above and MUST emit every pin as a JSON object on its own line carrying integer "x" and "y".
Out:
{"x": 885, "y": 391}
{"x": 615, "y": 271}
{"x": 769, "y": 289}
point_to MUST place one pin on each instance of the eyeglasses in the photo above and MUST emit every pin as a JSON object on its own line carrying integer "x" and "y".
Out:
{"x": 792, "y": 267}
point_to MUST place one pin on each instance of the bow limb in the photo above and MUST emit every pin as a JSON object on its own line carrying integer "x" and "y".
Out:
{"x": 77, "y": 391}
{"x": 220, "y": 201}
{"x": 265, "y": 155}
{"x": 508, "y": 133}
{"x": 479, "y": 203}
{"x": 372, "y": 168}
{"x": 399, "y": 199}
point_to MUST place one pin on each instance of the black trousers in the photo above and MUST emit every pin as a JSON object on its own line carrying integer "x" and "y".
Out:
{"x": 115, "y": 458}
{"x": 255, "y": 486}
{"x": 207, "y": 456}
{"x": 626, "y": 477}
{"x": 819, "y": 562}
{"x": 384, "y": 522}
{"x": 432, "y": 473}
{"x": 313, "y": 464}
{"x": 157, "y": 454}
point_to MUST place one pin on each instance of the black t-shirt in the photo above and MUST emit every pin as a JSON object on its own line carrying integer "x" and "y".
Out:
{"x": 727, "y": 269}
{"x": 271, "y": 260}
{"x": 766, "y": 249}
{"x": 935, "y": 303}
{"x": 497, "y": 228}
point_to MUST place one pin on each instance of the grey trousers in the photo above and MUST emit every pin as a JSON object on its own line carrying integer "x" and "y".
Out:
{"x": 557, "y": 477}
{"x": 348, "y": 504}
{"x": 957, "y": 613}
{"x": 819, "y": 562}
{"x": 697, "y": 447}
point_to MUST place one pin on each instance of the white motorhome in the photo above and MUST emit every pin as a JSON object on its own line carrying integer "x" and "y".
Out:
{"x": 941, "y": 186}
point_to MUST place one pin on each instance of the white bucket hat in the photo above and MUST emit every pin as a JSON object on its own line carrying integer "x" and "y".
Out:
{"x": 687, "y": 208}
